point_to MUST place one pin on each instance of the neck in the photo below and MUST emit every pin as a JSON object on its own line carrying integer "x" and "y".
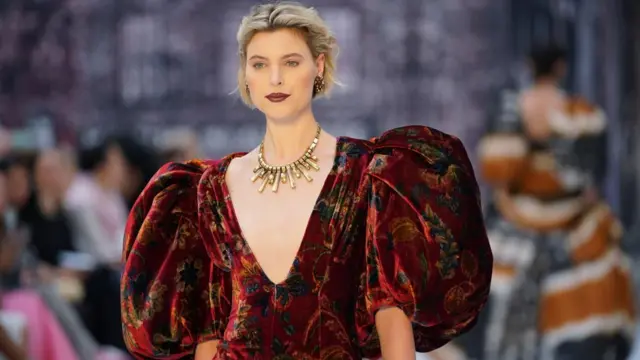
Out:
{"x": 286, "y": 141}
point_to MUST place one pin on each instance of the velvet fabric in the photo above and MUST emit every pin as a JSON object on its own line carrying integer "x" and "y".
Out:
{"x": 397, "y": 223}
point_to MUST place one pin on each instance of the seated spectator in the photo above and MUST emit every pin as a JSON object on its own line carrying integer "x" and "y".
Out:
{"x": 17, "y": 170}
{"x": 95, "y": 204}
{"x": 49, "y": 225}
{"x": 98, "y": 215}
{"x": 12, "y": 240}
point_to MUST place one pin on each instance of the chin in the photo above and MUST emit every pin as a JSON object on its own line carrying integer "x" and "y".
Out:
{"x": 280, "y": 112}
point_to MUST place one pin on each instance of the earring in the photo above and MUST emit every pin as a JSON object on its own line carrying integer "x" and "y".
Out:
{"x": 246, "y": 86}
{"x": 318, "y": 85}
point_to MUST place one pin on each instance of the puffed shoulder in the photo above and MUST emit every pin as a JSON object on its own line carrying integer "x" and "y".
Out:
{"x": 172, "y": 296}
{"x": 423, "y": 154}
{"x": 173, "y": 188}
{"x": 427, "y": 251}
{"x": 579, "y": 117}
{"x": 408, "y": 136}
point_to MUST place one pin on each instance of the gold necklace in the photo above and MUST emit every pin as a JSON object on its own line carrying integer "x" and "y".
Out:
{"x": 274, "y": 175}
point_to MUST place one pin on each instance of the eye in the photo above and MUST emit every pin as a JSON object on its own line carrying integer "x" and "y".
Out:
{"x": 258, "y": 65}
{"x": 292, "y": 63}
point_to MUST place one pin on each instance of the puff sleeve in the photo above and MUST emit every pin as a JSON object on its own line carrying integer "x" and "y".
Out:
{"x": 172, "y": 296}
{"x": 427, "y": 250}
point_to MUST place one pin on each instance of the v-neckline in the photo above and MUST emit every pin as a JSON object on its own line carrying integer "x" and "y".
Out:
{"x": 235, "y": 223}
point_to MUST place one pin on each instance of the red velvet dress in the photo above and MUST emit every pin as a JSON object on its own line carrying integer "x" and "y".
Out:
{"x": 398, "y": 223}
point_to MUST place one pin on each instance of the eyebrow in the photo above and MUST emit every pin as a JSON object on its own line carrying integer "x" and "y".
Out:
{"x": 283, "y": 57}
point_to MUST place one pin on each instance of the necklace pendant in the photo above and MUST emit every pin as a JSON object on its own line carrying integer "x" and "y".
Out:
{"x": 312, "y": 164}
{"x": 265, "y": 180}
{"x": 276, "y": 182}
{"x": 292, "y": 181}
{"x": 306, "y": 175}
{"x": 304, "y": 164}
{"x": 296, "y": 171}
{"x": 275, "y": 175}
{"x": 258, "y": 175}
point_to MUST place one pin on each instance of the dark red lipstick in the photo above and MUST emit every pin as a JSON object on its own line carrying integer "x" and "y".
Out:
{"x": 277, "y": 97}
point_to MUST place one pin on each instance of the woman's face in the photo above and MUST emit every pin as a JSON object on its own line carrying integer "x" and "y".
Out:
{"x": 51, "y": 173}
{"x": 19, "y": 185}
{"x": 280, "y": 73}
{"x": 116, "y": 167}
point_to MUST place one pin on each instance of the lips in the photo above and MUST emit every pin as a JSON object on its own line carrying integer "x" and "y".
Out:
{"x": 277, "y": 97}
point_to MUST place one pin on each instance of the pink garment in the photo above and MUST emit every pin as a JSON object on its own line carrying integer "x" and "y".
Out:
{"x": 99, "y": 217}
{"x": 47, "y": 340}
{"x": 109, "y": 205}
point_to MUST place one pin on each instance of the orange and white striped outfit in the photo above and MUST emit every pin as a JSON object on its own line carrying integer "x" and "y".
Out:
{"x": 561, "y": 286}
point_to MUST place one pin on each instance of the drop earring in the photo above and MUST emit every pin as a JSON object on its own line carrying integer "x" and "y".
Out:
{"x": 318, "y": 85}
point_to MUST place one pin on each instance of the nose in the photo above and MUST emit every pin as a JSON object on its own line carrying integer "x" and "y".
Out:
{"x": 276, "y": 76}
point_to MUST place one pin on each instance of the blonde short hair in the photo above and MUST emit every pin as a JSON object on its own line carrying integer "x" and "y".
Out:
{"x": 288, "y": 15}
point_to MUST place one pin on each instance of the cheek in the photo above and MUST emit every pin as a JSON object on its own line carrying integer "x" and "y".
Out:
{"x": 308, "y": 79}
{"x": 304, "y": 82}
{"x": 254, "y": 79}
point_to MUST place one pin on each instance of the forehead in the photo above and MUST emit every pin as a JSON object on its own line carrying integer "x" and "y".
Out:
{"x": 51, "y": 158}
{"x": 277, "y": 43}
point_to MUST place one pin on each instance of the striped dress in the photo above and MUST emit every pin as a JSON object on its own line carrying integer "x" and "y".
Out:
{"x": 561, "y": 287}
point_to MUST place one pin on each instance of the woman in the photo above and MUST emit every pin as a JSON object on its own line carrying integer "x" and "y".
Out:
{"x": 48, "y": 223}
{"x": 384, "y": 253}
{"x": 95, "y": 203}
{"x": 12, "y": 327}
{"x": 98, "y": 215}
{"x": 561, "y": 287}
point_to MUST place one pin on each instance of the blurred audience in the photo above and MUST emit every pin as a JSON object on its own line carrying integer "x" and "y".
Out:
{"x": 63, "y": 214}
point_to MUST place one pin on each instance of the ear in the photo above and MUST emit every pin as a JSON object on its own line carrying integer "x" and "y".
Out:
{"x": 320, "y": 60}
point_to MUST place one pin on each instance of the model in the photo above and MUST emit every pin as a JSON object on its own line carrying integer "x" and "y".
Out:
{"x": 309, "y": 246}
{"x": 561, "y": 287}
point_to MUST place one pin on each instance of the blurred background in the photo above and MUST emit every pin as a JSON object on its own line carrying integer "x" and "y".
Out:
{"x": 97, "y": 94}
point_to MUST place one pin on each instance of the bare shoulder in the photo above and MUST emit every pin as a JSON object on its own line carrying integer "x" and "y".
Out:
{"x": 535, "y": 98}
{"x": 327, "y": 145}
{"x": 242, "y": 164}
